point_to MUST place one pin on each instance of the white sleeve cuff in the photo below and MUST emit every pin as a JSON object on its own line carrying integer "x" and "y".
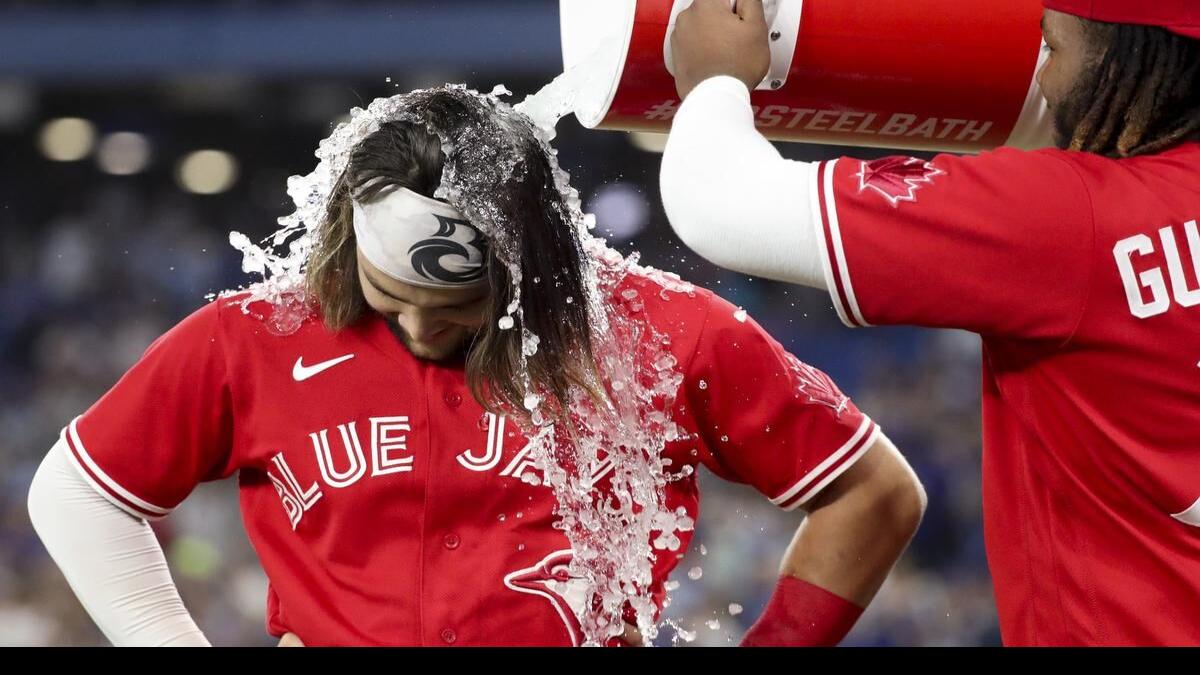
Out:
{"x": 89, "y": 470}
{"x": 828, "y": 471}
{"x": 827, "y": 231}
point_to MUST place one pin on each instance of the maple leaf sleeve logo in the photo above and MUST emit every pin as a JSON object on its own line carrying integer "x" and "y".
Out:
{"x": 897, "y": 179}
{"x": 818, "y": 387}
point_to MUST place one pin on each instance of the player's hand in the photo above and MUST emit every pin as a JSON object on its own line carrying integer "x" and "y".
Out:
{"x": 711, "y": 40}
{"x": 290, "y": 640}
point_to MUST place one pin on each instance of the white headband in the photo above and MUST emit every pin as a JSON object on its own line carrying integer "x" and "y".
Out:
{"x": 420, "y": 241}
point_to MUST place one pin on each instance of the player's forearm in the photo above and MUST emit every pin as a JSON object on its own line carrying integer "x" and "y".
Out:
{"x": 858, "y": 527}
{"x": 729, "y": 194}
{"x": 112, "y": 561}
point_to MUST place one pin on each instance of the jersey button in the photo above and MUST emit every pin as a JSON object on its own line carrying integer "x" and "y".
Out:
{"x": 453, "y": 399}
{"x": 452, "y": 541}
{"x": 449, "y": 636}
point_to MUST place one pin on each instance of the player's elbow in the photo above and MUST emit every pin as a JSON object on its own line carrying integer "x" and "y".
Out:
{"x": 39, "y": 496}
{"x": 883, "y": 491}
{"x": 901, "y": 501}
{"x": 900, "y": 498}
{"x": 690, "y": 201}
{"x": 48, "y": 500}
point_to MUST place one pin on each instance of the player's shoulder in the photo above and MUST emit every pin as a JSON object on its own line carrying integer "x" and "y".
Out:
{"x": 686, "y": 312}
{"x": 246, "y": 317}
{"x": 1176, "y": 165}
{"x": 944, "y": 181}
{"x": 1184, "y": 156}
{"x": 669, "y": 302}
{"x": 1013, "y": 164}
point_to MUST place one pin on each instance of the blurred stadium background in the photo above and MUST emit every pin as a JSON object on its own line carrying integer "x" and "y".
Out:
{"x": 134, "y": 135}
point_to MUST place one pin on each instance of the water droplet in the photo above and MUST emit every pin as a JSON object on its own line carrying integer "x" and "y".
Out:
{"x": 506, "y": 323}
{"x": 740, "y": 315}
{"x": 703, "y": 384}
{"x": 668, "y": 542}
{"x": 713, "y": 624}
{"x": 664, "y": 362}
{"x": 532, "y": 401}
{"x": 671, "y": 586}
{"x": 735, "y": 609}
{"x": 695, "y": 573}
{"x": 530, "y": 344}
{"x": 703, "y": 549}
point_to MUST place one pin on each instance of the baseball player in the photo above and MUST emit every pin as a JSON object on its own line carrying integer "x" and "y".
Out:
{"x": 387, "y": 503}
{"x": 1078, "y": 267}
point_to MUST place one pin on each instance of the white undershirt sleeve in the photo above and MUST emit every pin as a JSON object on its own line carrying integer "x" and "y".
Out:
{"x": 112, "y": 560}
{"x": 729, "y": 194}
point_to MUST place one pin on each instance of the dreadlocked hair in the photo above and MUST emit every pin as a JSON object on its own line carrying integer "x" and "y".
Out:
{"x": 1146, "y": 94}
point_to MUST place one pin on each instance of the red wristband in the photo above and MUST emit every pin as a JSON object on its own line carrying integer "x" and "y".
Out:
{"x": 802, "y": 615}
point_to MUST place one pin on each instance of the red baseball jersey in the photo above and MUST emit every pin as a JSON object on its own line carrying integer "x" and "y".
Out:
{"x": 1080, "y": 274}
{"x": 387, "y": 508}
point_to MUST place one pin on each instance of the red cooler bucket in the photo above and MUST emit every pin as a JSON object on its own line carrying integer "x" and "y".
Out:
{"x": 943, "y": 75}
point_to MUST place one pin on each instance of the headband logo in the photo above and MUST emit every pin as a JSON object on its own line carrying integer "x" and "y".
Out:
{"x": 427, "y": 254}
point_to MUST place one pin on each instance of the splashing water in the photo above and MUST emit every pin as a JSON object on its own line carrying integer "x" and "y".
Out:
{"x": 582, "y": 90}
{"x": 282, "y": 269}
{"x": 610, "y": 531}
{"x": 681, "y": 633}
{"x": 611, "y": 536}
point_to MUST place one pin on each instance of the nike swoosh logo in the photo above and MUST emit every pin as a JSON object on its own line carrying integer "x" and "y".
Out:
{"x": 301, "y": 372}
{"x": 1190, "y": 516}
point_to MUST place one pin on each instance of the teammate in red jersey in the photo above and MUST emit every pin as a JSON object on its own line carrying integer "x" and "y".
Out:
{"x": 386, "y": 504}
{"x": 1078, "y": 267}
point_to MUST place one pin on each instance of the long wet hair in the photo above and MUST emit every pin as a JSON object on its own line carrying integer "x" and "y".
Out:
{"x": 1142, "y": 95}
{"x": 405, "y": 154}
